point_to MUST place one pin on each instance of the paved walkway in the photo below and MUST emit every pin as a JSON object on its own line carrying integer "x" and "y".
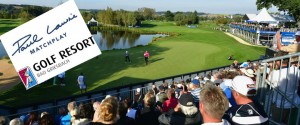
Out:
{"x": 8, "y": 75}
{"x": 239, "y": 39}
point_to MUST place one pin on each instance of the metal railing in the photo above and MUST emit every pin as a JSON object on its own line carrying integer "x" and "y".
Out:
{"x": 122, "y": 91}
{"x": 278, "y": 89}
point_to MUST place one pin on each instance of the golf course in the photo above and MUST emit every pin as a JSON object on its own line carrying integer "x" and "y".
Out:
{"x": 189, "y": 50}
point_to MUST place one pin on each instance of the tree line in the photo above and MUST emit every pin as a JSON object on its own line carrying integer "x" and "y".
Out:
{"x": 25, "y": 12}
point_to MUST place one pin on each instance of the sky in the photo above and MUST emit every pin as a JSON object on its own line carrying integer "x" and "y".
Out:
{"x": 207, "y": 6}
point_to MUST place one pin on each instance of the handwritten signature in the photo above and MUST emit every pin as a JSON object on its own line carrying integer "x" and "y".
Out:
{"x": 61, "y": 24}
{"x": 23, "y": 46}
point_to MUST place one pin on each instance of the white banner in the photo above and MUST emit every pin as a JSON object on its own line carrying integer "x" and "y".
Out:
{"x": 50, "y": 44}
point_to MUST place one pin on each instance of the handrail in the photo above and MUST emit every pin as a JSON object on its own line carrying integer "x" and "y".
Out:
{"x": 121, "y": 87}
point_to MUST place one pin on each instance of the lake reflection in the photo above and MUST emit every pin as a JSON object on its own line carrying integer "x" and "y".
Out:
{"x": 108, "y": 40}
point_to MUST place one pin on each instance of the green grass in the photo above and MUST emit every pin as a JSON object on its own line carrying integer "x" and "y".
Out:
{"x": 8, "y": 24}
{"x": 193, "y": 50}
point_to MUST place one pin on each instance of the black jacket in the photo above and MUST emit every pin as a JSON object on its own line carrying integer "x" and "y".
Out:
{"x": 148, "y": 116}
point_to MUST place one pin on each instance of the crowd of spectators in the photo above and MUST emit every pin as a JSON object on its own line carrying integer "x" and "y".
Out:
{"x": 224, "y": 97}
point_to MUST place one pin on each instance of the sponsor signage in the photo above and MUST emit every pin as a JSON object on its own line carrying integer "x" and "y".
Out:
{"x": 50, "y": 44}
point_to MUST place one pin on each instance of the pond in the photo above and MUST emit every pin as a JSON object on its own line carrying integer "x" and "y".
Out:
{"x": 109, "y": 40}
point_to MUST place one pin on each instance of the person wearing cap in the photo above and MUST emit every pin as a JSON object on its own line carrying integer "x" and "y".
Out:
{"x": 246, "y": 111}
{"x": 127, "y": 59}
{"x": 138, "y": 99}
{"x": 291, "y": 48}
{"x": 249, "y": 73}
{"x": 171, "y": 102}
{"x": 185, "y": 113}
{"x": 195, "y": 90}
{"x": 213, "y": 105}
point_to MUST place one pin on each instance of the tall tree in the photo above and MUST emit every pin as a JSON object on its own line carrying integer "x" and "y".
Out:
{"x": 292, "y": 7}
{"x": 180, "y": 19}
{"x": 169, "y": 16}
{"x": 148, "y": 13}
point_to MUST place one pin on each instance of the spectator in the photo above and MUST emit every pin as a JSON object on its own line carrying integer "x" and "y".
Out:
{"x": 16, "y": 121}
{"x": 225, "y": 86}
{"x": 4, "y": 120}
{"x": 61, "y": 113}
{"x": 61, "y": 78}
{"x": 44, "y": 113}
{"x": 96, "y": 106}
{"x": 108, "y": 112}
{"x": 33, "y": 119}
{"x": 132, "y": 113}
{"x": 154, "y": 89}
{"x": 146, "y": 55}
{"x": 245, "y": 64}
{"x": 127, "y": 59}
{"x": 65, "y": 120}
{"x": 84, "y": 115}
{"x": 138, "y": 99}
{"x": 47, "y": 119}
{"x": 235, "y": 65}
{"x": 249, "y": 73}
{"x": 291, "y": 48}
{"x": 185, "y": 113}
{"x": 149, "y": 115}
{"x": 285, "y": 80}
{"x": 171, "y": 102}
{"x": 213, "y": 105}
{"x": 246, "y": 111}
{"x": 81, "y": 82}
{"x": 218, "y": 78}
{"x": 165, "y": 84}
{"x": 161, "y": 96}
{"x": 195, "y": 91}
{"x": 122, "y": 110}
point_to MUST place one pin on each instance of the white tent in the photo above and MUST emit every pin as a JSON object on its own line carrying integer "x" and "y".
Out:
{"x": 264, "y": 17}
{"x": 93, "y": 21}
{"x": 249, "y": 16}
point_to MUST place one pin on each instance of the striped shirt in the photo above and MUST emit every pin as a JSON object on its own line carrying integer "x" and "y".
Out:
{"x": 196, "y": 94}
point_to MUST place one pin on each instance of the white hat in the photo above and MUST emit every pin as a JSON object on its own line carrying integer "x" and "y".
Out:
{"x": 248, "y": 72}
{"x": 297, "y": 33}
{"x": 138, "y": 90}
{"x": 179, "y": 85}
{"x": 243, "y": 85}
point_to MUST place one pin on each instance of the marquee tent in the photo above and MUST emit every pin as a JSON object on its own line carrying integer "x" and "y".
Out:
{"x": 263, "y": 17}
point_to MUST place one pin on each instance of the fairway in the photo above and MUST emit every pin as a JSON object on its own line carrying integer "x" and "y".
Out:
{"x": 192, "y": 50}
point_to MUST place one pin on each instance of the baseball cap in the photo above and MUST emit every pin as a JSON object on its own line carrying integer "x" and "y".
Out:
{"x": 297, "y": 33}
{"x": 196, "y": 81}
{"x": 243, "y": 85}
{"x": 186, "y": 100}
